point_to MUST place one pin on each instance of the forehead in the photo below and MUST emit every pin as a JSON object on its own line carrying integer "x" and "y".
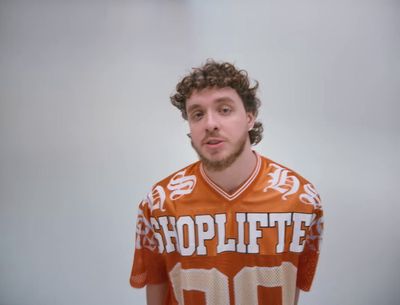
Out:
{"x": 209, "y": 96}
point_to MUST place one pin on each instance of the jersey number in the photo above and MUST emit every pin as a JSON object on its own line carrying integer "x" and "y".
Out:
{"x": 215, "y": 285}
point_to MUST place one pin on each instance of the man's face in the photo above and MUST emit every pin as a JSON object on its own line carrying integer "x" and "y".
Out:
{"x": 219, "y": 126}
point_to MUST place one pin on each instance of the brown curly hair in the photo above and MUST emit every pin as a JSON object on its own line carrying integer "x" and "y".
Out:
{"x": 220, "y": 75}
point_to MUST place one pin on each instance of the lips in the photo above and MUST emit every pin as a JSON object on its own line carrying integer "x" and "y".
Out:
{"x": 213, "y": 141}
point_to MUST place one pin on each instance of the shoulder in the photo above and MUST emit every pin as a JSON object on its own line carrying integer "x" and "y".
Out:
{"x": 289, "y": 182}
{"x": 278, "y": 168}
{"x": 179, "y": 183}
{"x": 187, "y": 176}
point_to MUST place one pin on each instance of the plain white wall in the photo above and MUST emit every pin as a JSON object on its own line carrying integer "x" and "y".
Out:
{"x": 86, "y": 128}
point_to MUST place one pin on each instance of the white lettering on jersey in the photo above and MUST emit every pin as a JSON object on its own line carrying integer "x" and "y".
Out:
{"x": 188, "y": 236}
{"x": 282, "y": 182}
{"x": 299, "y": 218}
{"x": 283, "y": 220}
{"x": 220, "y": 219}
{"x": 144, "y": 238}
{"x": 315, "y": 232}
{"x": 169, "y": 234}
{"x": 310, "y": 196}
{"x": 157, "y": 235}
{"x": 186, "y": 221}
{"x": 204, "y": 234}
{"x": 156, "y": 199}
{"x": 180, "y": 185}
{"x": 241, "y": 219}
{"x": 254, "y": 233}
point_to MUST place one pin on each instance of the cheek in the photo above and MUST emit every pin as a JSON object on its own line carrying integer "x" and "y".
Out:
{"x": 195, "y": 134}
{"x": 239, "y": 125}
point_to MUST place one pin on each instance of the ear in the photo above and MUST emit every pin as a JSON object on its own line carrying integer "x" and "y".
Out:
{"x": 251, "y": 119}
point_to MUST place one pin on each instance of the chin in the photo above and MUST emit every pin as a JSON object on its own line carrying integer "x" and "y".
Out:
{"x": 216, "y": 157}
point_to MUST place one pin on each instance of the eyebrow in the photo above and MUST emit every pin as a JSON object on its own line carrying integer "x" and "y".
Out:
{"x": 218, "y": 100}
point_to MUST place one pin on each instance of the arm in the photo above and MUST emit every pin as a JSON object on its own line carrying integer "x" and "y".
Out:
{"x": 296, "y": 297}
{"x": 155, "y": 294}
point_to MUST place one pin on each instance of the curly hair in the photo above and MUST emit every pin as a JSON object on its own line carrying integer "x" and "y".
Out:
{"x": 220, "y": 75}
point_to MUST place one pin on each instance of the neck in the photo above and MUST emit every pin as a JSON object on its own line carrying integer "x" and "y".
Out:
{"x": 231, "y": 178}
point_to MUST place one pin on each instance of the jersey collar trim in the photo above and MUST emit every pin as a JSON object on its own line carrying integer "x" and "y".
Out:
{"x": 239, "y": 191}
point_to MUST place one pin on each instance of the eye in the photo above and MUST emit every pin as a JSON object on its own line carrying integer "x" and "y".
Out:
{"x": 196, "y": 115}
{"x": 225, "y": 110}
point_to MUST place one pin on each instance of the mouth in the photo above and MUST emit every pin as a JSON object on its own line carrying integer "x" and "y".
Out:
{"x": 213, "y": 142}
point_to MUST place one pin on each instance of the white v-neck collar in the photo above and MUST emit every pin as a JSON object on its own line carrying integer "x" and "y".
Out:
{"x": 240, "y": 190}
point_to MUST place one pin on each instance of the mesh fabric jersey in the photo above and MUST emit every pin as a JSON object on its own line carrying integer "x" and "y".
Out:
{"x": 253, "y": 246}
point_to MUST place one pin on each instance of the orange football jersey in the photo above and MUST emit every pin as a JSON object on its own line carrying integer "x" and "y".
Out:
{"x": 253, "y": 246}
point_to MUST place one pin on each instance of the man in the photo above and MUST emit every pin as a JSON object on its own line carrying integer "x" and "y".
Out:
{"x": 234, "y": 227}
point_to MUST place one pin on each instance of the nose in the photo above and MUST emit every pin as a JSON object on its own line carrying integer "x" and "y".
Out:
{"x": 211, "y": 122}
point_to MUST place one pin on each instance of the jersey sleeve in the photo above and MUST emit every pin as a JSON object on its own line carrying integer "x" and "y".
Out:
{"x": 308, "y": 259}
{"x": 148, "y": 265}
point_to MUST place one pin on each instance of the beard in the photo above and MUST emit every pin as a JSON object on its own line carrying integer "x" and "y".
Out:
{"x": 219, "y": 165}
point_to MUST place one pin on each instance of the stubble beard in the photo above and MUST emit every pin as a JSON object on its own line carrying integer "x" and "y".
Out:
{"x": 219, "y": 165}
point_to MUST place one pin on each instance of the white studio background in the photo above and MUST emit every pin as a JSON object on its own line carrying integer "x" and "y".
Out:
{"x": 86, "y": 128}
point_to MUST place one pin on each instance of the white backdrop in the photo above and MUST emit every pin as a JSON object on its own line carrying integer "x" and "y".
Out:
{"x": 86, "y": 128}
